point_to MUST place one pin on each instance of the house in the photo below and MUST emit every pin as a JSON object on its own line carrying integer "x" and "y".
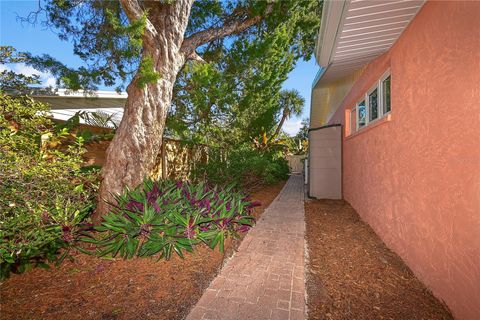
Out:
{"x": 395, "y": 131}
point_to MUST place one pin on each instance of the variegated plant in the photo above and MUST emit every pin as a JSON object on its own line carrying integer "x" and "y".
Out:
{"x": 159, "y": 218}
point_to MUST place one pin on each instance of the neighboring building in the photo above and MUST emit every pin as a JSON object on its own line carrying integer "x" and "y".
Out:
{"x": 395, "y": 131}
{"x": 64, "y": 103}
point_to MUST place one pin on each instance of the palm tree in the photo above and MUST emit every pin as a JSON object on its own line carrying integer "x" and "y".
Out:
{"x": 292, "y": 104}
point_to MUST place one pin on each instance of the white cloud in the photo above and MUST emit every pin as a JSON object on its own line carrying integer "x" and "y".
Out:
{"x": 292, "y": 126}
{"x": 24, "y": 69}
{"x": 50, "y": 82}
{"x": 46, "y": 78}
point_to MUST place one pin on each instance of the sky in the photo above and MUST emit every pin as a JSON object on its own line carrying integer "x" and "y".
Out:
{"x": 38, "y": 40}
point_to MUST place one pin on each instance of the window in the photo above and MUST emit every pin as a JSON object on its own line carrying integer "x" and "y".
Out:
{"x": 386, "y": 94}
{"x": 361, "y": 114}
{"x": 374, "y": 105}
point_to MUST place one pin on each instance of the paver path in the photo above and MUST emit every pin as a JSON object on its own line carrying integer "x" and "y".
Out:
{"x": 265, "y": 279}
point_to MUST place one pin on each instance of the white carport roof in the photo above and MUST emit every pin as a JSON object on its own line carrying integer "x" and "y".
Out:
{"x": 354, "y": 32}
{"x": 64, "y": 103}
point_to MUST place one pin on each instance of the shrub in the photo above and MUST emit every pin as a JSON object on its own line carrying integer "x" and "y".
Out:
{"x": 165, "y": 217}
{"x": 44, "y": 194}
{"x": 243, "y": 166}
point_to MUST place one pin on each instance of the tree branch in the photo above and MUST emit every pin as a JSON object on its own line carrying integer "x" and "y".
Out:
{"x": 194, "y": 56}
{"x": 235, "y": 26}
{"x": 134, "y": 11}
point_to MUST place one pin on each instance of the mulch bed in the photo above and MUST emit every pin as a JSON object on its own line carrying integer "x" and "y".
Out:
{"x": 93, "y": 288}
{"x": 353, "y": 275}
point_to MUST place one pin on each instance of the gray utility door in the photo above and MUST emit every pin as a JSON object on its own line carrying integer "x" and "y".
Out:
{"x": 325, "y": 162}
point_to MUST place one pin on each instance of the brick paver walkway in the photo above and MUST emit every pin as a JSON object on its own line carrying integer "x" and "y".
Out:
{"x": 265, "y": 278}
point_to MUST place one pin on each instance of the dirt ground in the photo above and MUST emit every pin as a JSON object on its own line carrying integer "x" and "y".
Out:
{"x": 353, "y": 275}
{"x": 93, "y": 288}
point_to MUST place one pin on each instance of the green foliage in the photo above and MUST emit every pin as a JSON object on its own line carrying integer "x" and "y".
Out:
{"x": 303, "y": 132}
{"x": 133, "y": 31}
{"x": 159, "y": 218}
{"x": 99, "y": 118}
{"x": 237, "y": 95}
{"x": 102, "y": 37}
{"x": 9, "y": 80}
{"x": 147, "y": 73}
{"x": 44, "y": 195}
{"x": 299, "y": 143}
{"x": 111, "y": 45}
{"x": 243, "y": 166}
{"x": 291, "y": 102}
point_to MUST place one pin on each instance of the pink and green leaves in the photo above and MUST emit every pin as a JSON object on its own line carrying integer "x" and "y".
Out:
{"x": 159, "y": 218}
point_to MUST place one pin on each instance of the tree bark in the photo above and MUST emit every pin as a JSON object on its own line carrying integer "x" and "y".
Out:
{"x": 132, "y": 153}
{"x": 285, "y": 115}
{"x": 137, "y": 142}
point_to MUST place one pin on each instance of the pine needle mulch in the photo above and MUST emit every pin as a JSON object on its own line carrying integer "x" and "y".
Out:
{"x": 93, "y": 288}
{"x": 351, "y": 274}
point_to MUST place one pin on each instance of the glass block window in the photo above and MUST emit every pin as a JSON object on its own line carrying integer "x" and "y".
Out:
{"x": 362, "y": 114}
{"x": 386, "y": 95}
{"x": 373, "y": 105}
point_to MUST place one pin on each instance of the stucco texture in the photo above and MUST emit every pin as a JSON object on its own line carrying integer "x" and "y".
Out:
{"x": 416, "y": 179}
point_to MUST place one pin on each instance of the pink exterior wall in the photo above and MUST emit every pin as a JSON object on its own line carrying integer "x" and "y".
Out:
{"x": 416, "y": 179}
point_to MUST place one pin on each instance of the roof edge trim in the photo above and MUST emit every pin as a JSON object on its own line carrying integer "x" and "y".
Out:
{"x": 332, "y": 14}
{"x": 318, "y": 76}
{"x": 39, "y": 92}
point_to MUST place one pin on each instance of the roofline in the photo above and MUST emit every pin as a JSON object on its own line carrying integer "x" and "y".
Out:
{"x": 332, "y": 15}
{"x": 67, "y": 93}
{"x": 318, "y": 76}
{"x": 101, "y": 94}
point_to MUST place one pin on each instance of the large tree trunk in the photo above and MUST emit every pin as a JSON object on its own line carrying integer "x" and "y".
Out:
{"x": 137, "y": 142}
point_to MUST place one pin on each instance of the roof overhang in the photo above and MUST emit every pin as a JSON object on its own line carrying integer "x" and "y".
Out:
{"x": 332, "y": 15}
{"x": 354, "y": 32}
{"x": 66, "y": 103}
{"x": 81, "y": 94}
{"x": 68, "y": 99}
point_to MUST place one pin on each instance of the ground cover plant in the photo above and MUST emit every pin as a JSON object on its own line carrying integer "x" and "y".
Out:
{"x": 158, "y": 218}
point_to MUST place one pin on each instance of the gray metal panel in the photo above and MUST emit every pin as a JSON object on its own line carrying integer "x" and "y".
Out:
{"x": 325, "y": 163}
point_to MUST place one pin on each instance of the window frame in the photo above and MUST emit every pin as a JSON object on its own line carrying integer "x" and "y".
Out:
{"x": 353, "y": 124}
{"x": 354, "y": 127}
{"x": 357, "y": 106}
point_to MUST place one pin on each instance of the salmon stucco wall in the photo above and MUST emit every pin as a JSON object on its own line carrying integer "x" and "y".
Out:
{"x": 416, "y": 179}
